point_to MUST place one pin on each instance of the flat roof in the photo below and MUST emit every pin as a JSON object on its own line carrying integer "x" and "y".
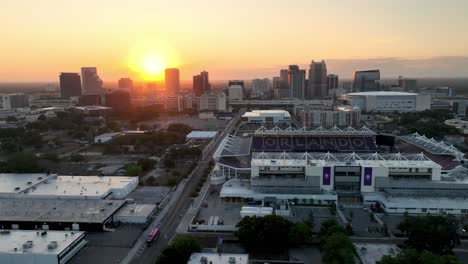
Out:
{"x": 372, "y": 253}
{"x": 113, "y": 134}
{"x": 382, "y": 93}
{"x": 143, "y": 210}
{"x": 57, "y": 210}
{"x": 61, "y": 186}
{"x": 257, "y": 113}
{"x": 215, "y": 258}
{"x": 11, "y": 239}
{"x": 202, "y": 134}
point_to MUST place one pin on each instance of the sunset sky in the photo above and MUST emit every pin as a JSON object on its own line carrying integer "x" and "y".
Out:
{"x": 232, "y": 39}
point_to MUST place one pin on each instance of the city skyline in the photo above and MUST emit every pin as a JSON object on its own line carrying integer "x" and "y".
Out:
{"x": 131, "y": 39}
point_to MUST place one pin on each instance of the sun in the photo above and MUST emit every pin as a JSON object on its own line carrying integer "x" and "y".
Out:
{"x": 149, "y": 58}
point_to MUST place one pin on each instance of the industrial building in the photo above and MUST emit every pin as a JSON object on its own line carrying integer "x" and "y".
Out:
{"x": 419, "y": 175}
{"x": 218, "y": 258}
{"x": 39, "y": 247}
{"x": 388, "y": 101}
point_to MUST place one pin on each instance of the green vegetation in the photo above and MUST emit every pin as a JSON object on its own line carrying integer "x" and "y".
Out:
{"x": 146, "y": 164}
{"x": 271, "y": 233}
{"x": 436, "y": 234}
{"x": 180, "y": 128}
{"x": 77, "y": 158}
{"x": 52, "y": 156}
{"x": 335, "y": 245}
{"x": 134, "y": 170}
{"x": 179, "y": 251}
{"x": 412, "y": 256}
{"x": 21, "y": 163}
{"x": 429, "y": 122}
{"x": 15, "y": 139}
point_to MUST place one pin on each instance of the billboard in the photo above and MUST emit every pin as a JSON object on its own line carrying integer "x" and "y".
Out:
{"x": 326, "y": 178}
{"x": 367, "y": 176}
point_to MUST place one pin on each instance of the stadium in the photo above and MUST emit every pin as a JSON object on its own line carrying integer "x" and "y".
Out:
{"x": 409, "y": 173}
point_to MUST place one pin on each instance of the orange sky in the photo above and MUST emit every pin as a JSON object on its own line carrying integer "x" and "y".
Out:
{"x": 227, "y": 38}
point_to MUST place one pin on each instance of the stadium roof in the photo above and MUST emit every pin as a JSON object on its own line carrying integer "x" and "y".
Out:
{"x": 233, "y": 146}
{"x": 315, "y": 131}
{"x": 375, "y": 159}
{"x": 382, "y": 93}
{"x": 433, "y": 146}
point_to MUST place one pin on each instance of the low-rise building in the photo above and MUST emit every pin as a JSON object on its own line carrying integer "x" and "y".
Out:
{"x": 381, "y": 101}
{"x": 218, "y": 258}
{"x": 39, "y": 247}
{"x": 106, "y": 137}
{"x": 267, "y": 117}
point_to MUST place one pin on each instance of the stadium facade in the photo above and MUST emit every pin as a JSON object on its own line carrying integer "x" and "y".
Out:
{"x": 332, "y": 165}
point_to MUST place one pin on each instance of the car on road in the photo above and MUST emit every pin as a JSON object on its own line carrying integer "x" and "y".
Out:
{"x": 341, "y": 207}
{"x": 365, "y": 208}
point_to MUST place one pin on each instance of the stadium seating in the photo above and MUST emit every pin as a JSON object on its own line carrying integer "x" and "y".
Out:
{"x": 314, "y": 143}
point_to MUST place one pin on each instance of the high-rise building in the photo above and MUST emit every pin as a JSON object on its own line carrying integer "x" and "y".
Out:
{"x": 172, "y": 77}
{"x": 236, "y": 82}
{"x": 119, "y": 100}
{"x": 296, "y": 82}
{"x": 201, "y": 83}
{"x": 14, "y": 101}
{"x": 284, "y": 75}
{"x": 409, "y": 85}
{"x": 70, "y": 84}
{"x": 260, "y": 87}
{"x": 317, "y": 85}
{"x": 236, "y": 92}
{"x": 365, "y": 81}
{"x": 92, "y": 84}
{"x": 332, "y": 82}
{"x": 212, "y": 102}
{"x": 125, "y": 83}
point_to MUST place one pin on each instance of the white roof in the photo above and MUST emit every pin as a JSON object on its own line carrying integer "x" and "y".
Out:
{"x": 215, "y": 258}
{"x": 201, "y": 134}
{"x": 372, "y": 253}
{"x": 106, "y": 135}
{"x": 382, "y": 93}
{"x": 136, "y": 210}
{"x": 35, "y": 185}
{"x": 16, "y": 239}
{"x": 257, "y": 113}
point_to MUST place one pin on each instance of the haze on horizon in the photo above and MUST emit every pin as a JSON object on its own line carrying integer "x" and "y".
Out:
{"x": 234, "y": 39}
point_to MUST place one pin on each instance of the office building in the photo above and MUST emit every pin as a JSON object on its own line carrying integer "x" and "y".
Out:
{"x": 344, "y": 117}
{"x": 215, "y": 102}
{"x": 39, "y": 247}
{"x": 201, "y": 83}
{"x": 172, "y": 78}
{"x": 332, "y": 82}
{"x": 89, "y": 100}
{"x": 284, "y": 75}
{"x": 236, "y": 92}
{"x": 173, "y": 102}
{"x": 317, "y": 83}
{"x": 388, "y": 101}
{"x": 14, "y": 101}
{"x": 125, "y": 83}
{"x": 265, "y": 117}
{"x": 119, "y": 100}
{"x": 236, "y": 82}
{"x": 260, "y": 87}
{"x": 70, "y": 85}
{"x": 92, "y": 84}
{"x": 408, "y": 85}
{"x": 365, "y": 81}
{"x": 296, "y": 78}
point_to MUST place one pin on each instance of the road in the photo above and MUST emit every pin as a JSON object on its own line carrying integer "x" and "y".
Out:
{"x": 178, "y": 208}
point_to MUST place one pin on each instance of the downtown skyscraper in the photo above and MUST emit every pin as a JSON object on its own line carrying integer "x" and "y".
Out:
{"x": 70, "y": 84}
{"x": 92, "y": 84}
{"x": 201, "y": 83}
{"x": 172, "y": 78}
{"x": 317, "y": 84}
{"x": 296, "y": 81}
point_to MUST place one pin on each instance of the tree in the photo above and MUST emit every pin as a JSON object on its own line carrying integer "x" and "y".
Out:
{"x": 11, "y": 119}
{"x": 180, "y": 128}
{"x": 168, "y": 163}
{"x": 411, "y": 256}
{"x": 179, "y": 251}
{"x": 146, "y": 164}
{"x": 21, "y": 163}
{"x": 77, "y": 158}
{"x": 338, "y": 249}
{"x": 134, "y": 170}
{"x": 42, "y": 118}
{"x": 434, "y": 233}
{"x": 52, "y": 156}
{"x": 310, "y": 222}
{"x": 264, "y": 234}
{"x": 299, "y": 234}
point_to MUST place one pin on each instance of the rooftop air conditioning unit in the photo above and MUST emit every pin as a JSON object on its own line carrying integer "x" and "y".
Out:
{"x": 232, "y": 260}
{"x": 52, "y": 245}
{"x": 203, "y": 260}
{"x": 28, "y": 244}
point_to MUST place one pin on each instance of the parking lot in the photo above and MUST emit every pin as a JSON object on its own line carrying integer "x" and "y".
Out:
{"x": 213, "y": 206}
{"x": 361, "y": 222}
{"x": 108, "y": 247}
{"x": 149, "y": 194}
{"x": 321, "y": 214}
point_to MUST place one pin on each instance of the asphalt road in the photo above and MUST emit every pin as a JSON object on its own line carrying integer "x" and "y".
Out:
{"x": 175, "y": 214}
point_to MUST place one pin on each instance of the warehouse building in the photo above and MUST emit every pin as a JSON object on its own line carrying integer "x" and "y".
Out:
{"x": 381, "y": 101}
{"x": 39, "y": 247}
